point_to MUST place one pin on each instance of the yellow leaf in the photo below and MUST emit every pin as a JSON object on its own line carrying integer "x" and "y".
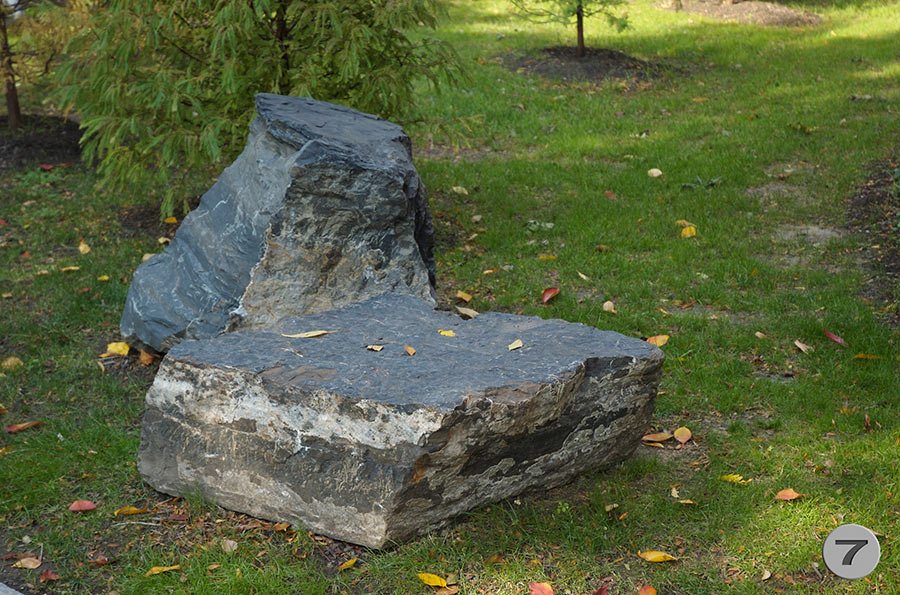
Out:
{"x": 11, "y": 363}
{"x": 866, "y": 356}
{"x": 658, "y": 340}
{"x": 163, "y": 241}
{"x": 462, "y": 295}
{"x": 517, "y": 344}
{"x": 656, "y": 556}
{"x": 689, "y": 231}
{"x": 103, "y": 278}
{"x": 687, "y": 502}
{"x": 6, "y": 295}
{"x": 29, "y": 562}
{"x": 117, "y": 348}
{"x": 348, "y": 564}
{"x": 683, "y": 434}
{"x": 126, "y": 510}
{"x": 699, "y": 99}
{"x": 446, "y": 333}
{"x": 610, "y": 307}
{"x": 467, "y": 312}
{"x": 170, "y": 220}
{"x": 787, "y": 495}
{"x": 546, "y": 256}
{"x": 307, "y": 335}
{"x": 488, "y": 271}
{"x": 432, "y": 580}
{"x": 459, "y": 190}
{"x": 653, "y": 444}
{"x": 684, "y": 223}
{"x": 70, "y": 269}
{"x": 657, "y": 437}
{"x": 5, "y": 450}
{"x": 147, "y": 257}
{"x": 213, "y": 567}
{"x": 409, "y": 350}
{"x": 161, "y": 569}
{"x": 647, "y": 590}
{"x": 83, "y": 248}
{"x": 374, "y": 347}
{"x": 735, "y": 478}
{"x": 145, "y": 358}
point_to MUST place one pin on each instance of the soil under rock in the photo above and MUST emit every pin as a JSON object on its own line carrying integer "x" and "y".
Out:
{"x": 41, "y": 139}
{"x": 560, "y": 62}
{"x": 750, "y": 11}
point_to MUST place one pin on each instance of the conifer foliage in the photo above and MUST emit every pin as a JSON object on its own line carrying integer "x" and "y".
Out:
{"x": 564, "y": 11}
{"x": 166, "y": 87}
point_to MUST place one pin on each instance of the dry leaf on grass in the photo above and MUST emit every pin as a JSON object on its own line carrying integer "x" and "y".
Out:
{"x": 540, "y": 588}
{"x": 129, "y": 510}
{"x": 610, "y": 307}
{"x": 30, "y": 563}
{"x": 683, "y": 435}
{"x": 162, "y": 569}
{"x": 656, "y": 437}
{"x": 658, "y": 340}
{"x": 23, "y": 426}
{"x": 549, "y": 294}
{"x": 348, "y": 564}
{"x": 787, "y": 495}
{"x": 432, "y": 580}
{"x": 462, "y": 295}
{"x": 656, "y": 556}
{"x": 735, "y": 478}
{"x": 466, "y": 312}
{"x": 82, "y": 506}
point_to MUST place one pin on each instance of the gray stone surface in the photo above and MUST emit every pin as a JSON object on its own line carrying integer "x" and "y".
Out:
{"x": 323, "y": 208}
{"x": 369, "y": 446}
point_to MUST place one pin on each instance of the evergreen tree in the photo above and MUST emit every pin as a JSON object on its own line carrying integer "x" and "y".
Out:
{"x": 564, "y": 11}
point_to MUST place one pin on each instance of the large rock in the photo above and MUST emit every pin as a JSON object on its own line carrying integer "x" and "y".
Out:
{"x": 323, "y": 208}
{"x": 370, "y": 446}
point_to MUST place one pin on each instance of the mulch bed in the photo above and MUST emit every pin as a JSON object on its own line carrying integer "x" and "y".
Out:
{"x": 561, "y": 63}
{"x": 42, "y": 139}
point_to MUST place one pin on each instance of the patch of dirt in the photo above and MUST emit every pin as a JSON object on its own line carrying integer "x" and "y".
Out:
{"x": 41, "y": 139}
{"x": 439, "y": 152}
{"x": 773, "y": 189}
{"x": 812, "y": 234}
{"x": 749, "y": 12}
{"x": 598, "y": 64}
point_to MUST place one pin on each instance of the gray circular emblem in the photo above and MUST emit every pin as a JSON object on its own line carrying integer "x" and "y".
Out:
{"x": 851, "y": 551}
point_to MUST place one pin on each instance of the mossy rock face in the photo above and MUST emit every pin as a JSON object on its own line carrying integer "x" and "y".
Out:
{"x": 350, "y": 435}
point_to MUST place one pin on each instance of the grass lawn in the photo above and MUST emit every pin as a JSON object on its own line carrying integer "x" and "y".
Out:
{"x": 762, "y": 135}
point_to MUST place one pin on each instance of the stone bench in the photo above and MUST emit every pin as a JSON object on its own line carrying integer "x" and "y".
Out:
{"x": 373, "y": 446}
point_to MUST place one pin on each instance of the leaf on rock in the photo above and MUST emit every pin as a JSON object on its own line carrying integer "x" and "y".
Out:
{"x": 462, "y": 295}
{"x": 23, "y": 426}
{"x": 348, "y": 564}
{"x": 432, "y": 580}
{"x": 49, "y": 575}
{"x": 866, "y": 356}
{"x": 835, "y": 338}
{"x": 466, "y": 312}
{"x": 162, "y": 569}
{"x": 657, "y": 437}
{"x": 11, "y": 363}
{"x": 409, "y": 350}
{"x": 683, "y": 434}
{"x": 374, "y": 347}
{"x": 549, "y": 294}
{"x": 29, "y": 562}
{"x": 82, "y": 506}
{"x": 609, "y": 306}
{"x": 540, "y": 589}
{"x": 517, "y": 344}
{"x": 129, "y": 510}
{"x": 654, "y": 172}
{"x": 116, "y": 348}
{"x": 689, "y": 231}
{"x": 147, "y": 256}
{"x": 163, "y": 241}
{"x": 446, "y": 333}
{"x": 658, "y": 340}
{"x": 307, "y": 334}
{"x": 83, "y": 248}
{"x": 803, "y": 346}
{"x": 787, "y": 495}
{"x": 735, "y": 478}
{"x": 656, "y": 556}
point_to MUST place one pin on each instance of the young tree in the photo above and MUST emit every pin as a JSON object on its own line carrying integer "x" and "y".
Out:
{"x": 9, "y": 10}
{"x": 563, "y": 11}
{"x": 167, "y": 87}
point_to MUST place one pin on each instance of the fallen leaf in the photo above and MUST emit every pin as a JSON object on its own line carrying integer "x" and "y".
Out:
{"x": 546, "y": 256}
{"x": 49, "y": 575}
{"x": 766, "y": 575}
{"x": 374, "y": 347}
{"x": 610, "y": 195}
{"x": 147, "y": 257}
{"x": 517, "y": 344}
{"x": 446, "y": 333}
{"x": 759, "y": 335}
{"x": 213, "y": 567}
{"x": 145, "y": 358}
{"x": 30, "y": 563}
{"x": 163, "y": 241}
{"x": 283, "y": 526}
{"x": 646, "y": 590}
{"x": 476, "y": 218}
{"x": 803, "y": 346}
{"x": 610, "y": 307}
{"x": 83, "y": 247}
{"x": 307, "y": 334}
{"x": 448, "y": 590}
{"x": 409, "y": 350}
{"x": 549, "y": 294}
{"x": 488, "y": 271}
{"x": 99, "y": 561}
{"x": 683, "y": 434}
{"x": 460, "y": 190}
{"x": 683, "y": 223}
{"x": 656, "y": 556}
{"x": 467, "y": 312}
{"x": 6, "y": 295}
{"x": 658, "y": 340}
{"x": 657, "y": 437}
{"x": 494, "y": 559}
{"x": 129, "y": 510}
{"x": 602, "y": 590}
{"x": 610, "y": 507}
{"x": 540, "y": 589}
{"x": 735, "y": 478}
{"x": 45, "y": 166}
{"x": 82, "y": 506}
{"x": 674, "y": 493}
{"x": 23, "y": 426}
{"x": 117, "y": 348}
{"x": 462, "y": 295}
{"x": 699, "y": 99}
{"x": 170, "y": 220}
{"x": 432, "y": 580}
{"x": 654, "y": 172}
{"x": 867, "y": 424}
{"x": 583, "y": 276}
{"x": 866, "y": 356}
{"x": 686, "y": 501}
{"x": 162, "y": 569}
{"x": 3, "y": 410}
{"x": 787, "y": 495}
{"x": 653, "y": 444}
{"x": 835, "y": 338}
{"x": 11, "y": 363}
{"x": 103, "y": 278}
{"x": 689, "y": 231}
{"x": 229, "y": 546}
{"x": 348, "y": 564}
{"x": 69, "y": 269}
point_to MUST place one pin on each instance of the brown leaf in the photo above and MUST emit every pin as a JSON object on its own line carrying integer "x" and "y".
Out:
{"x": 229, "y": 546}
{"x": 540, "y": 589}
{"x": 868, "y": 423}
{"x": 409, "y": 350}
{"x": 82, "y": 506}
{"x": 466, "y": 312}
{"x": 787, "y": 495}
{"x": 656, "y": 437}
{"x": 49, "y": 575}
{"x": 23, "y": 426}
{"x": 494, "y": 559}
{"x": 284, "y": 526}
{"x": 448, "y": 590}
{"x": 601, "y": 590}
{"x": 145, "y": 358}
{"x": 99, "y": 561}
{"x": 30, "y": 563}
{"x": 462, "y": 295}
{"x": 549, "y": 294}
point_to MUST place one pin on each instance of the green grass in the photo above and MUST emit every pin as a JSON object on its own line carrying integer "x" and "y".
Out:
{"x": 736, "y": 102}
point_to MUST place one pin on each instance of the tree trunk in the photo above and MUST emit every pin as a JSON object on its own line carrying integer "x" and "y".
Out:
{"x": 6, "y": 69}
{"x": 579, "y": 19}
{"x": 281, "y": 34}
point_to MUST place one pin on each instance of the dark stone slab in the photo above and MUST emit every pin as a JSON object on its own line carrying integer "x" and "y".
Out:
{"x": 370, "y": 446}
{"x": 323, "y": 208}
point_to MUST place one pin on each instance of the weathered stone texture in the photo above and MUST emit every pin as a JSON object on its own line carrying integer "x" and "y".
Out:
{"x": 323, "y": 208}
{"x": 369, "y": 446}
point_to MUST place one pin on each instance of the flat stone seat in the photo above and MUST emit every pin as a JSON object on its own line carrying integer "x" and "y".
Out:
{"x": 374, "y": 446}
